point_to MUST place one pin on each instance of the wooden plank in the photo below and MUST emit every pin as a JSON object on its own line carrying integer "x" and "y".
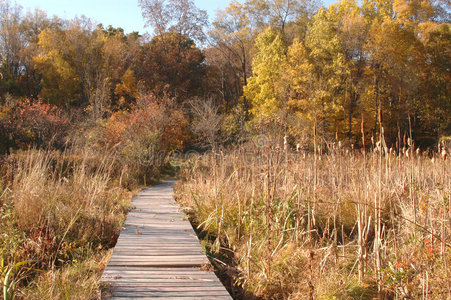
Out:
{"x": 179, "y": 272}
{"x": 178, "y": 281}
{"x": 143, "y": 232}
{"x": 159, "y": 250}
{"x": 181, "y": 286}
{"x": 157, "y": 264}
{"x": 158, "y": 254}
{"x": 160, "y": 263}
{"x": 176, "y": 298}
{"x": 166, "y": 293}
{"x": 212, "y": 290}
{"x": 150, "y": 277}
{"x": 140, "y": 271}
{"x": 197, "y": 295}
{"x": 157, "y": 261}
{"x": 160, "y": 271}
{"x": 154, "y": 242}
{"x": 124, "y": 276}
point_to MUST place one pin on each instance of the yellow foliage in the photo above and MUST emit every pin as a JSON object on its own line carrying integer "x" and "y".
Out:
{"x": 265, "y": 88}
{"x": 128, "y": 88}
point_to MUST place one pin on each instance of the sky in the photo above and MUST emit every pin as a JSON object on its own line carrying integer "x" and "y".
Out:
{"x": 118, "y": 13}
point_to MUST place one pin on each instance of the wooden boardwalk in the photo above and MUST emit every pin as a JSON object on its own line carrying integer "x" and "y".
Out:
{"x": 158, "y": 255}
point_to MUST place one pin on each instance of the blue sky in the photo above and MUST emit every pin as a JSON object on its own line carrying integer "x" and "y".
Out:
{"x": 118, "y": 13}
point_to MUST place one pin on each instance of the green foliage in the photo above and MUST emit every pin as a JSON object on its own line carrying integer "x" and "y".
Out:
{"x": 9, "y": 278}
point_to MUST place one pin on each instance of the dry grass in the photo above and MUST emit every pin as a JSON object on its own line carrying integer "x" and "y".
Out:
{"x": 79, "y": 280}
{"x": 81, "y": 203}
{"x": 341, "y": 225}
{"x": 58, "y": 211}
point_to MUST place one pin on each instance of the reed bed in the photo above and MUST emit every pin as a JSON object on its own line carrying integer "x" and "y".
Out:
{"x": 341, "y": 225}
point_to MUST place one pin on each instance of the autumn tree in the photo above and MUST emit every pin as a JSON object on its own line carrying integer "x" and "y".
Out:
{"x": 280, "y": 13}
{"x": 68, "y": 59}
{"x": 349, "y": 64}
{"x": 171, "y": 64}
{"x": 435, "y": 75}
{"x": 207, "y": 122}
{"x": 175, "y": 16}
{"x": 12, "y": 42}
{"x": 222, "y": 78}
{"x": 304, "y": 108}
{"x": 266, "y": 92}
{"x": 232, "y": 36}
{"x": 177, "y": 26}
{"x": 323, "y": 45}
{"x": 81, "y": 64}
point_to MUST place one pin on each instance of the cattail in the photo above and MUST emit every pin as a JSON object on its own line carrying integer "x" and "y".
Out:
{"x": 285, "y": 143}
{"x": 403, "y": 151}
{"x": 378, "y": 146}
{"x": 363, "y": 134}
{"x": 380, "y": 116}
{"x": 444, "y": 153}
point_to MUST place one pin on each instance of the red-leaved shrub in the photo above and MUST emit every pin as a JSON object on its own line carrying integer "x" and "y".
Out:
{"x": 144, "y": 136}
{"x": 32, "y": 123}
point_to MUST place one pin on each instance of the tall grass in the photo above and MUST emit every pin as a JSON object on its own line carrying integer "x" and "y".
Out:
{"x": 339, "y": 225}
{"x": 57, "y": 209}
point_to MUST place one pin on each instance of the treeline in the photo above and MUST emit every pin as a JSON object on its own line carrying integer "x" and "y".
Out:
{"x": 282, "y": 67}
{"x": 342, "y": 70}
{"x": 74, "y": 63}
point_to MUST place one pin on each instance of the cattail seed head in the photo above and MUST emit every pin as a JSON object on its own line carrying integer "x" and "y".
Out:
{"x": 444, "y": 153}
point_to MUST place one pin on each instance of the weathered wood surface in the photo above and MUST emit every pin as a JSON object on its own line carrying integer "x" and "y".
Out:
{"x": 158, "y": 254}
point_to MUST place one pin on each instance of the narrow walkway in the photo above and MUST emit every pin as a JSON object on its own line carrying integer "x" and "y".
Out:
{"x": 158, "y": 254}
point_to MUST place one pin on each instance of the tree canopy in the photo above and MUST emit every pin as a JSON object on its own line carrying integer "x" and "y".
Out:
{"x": 285, "y": 62}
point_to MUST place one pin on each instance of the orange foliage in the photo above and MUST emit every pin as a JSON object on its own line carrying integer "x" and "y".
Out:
{"x": 33, "y": 122}
{"x": 149, "y": 115}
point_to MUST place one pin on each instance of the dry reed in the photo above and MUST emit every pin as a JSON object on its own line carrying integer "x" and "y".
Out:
{"x": 341, "y": 224}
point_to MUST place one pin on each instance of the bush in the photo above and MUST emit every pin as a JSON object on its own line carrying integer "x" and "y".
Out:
{"x": 143, "y": 137}
{"x": 31, "y": 123}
